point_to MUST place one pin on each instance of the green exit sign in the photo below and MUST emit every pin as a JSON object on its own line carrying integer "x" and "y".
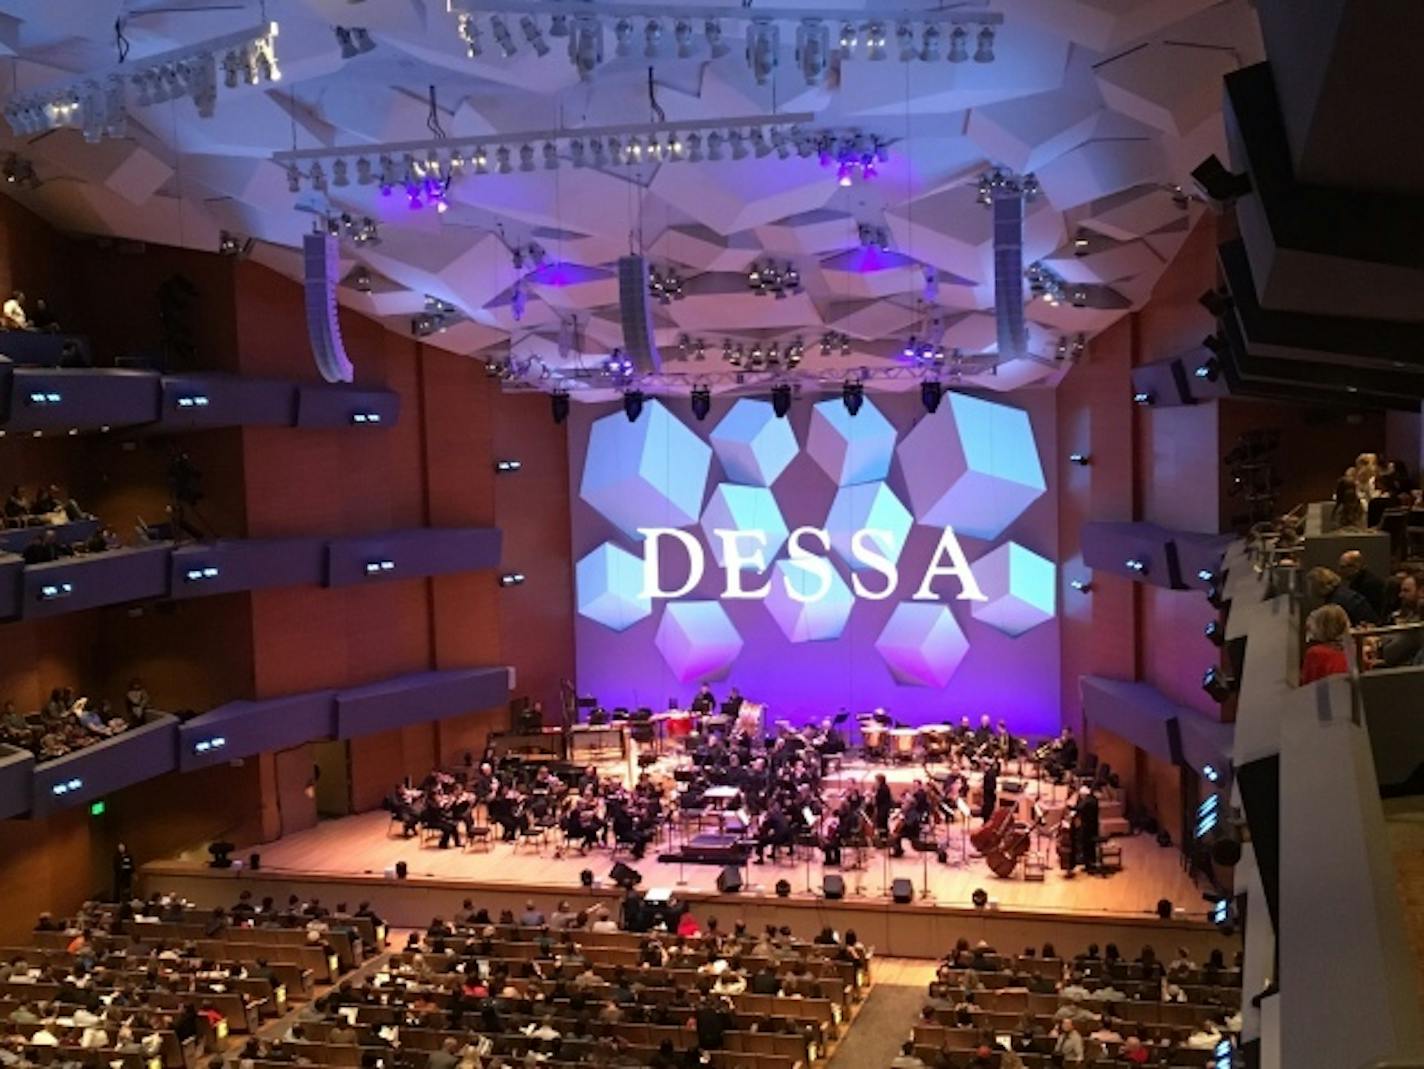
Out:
{"x": 96, "y": 809}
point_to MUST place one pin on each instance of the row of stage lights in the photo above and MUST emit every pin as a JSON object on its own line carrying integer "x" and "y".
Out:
{"x": 760, "y": 356}
{"x": 428, "y": 176}
{"x": 818, "y": 42}
{"x": 97, "y": 104}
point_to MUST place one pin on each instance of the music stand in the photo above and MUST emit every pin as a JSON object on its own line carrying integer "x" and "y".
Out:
{"x": 924, "y": 849}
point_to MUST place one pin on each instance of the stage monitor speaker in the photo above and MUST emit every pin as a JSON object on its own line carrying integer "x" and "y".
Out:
{"x": 623, "y": 876}
{"x": 833, "y": 886}
{"x": 729, "y": 880}
{"x": 902, "y": 891}
{"x": 254, "y": 862}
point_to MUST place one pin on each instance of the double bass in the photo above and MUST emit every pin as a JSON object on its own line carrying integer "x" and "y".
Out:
{"x": 987, "y": 837}
{"x": 1003, "y": 856}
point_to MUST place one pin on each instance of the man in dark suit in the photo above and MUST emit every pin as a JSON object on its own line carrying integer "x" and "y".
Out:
{"x": 704, "y": 702}
{"x": 1085, "y": 832}
{"x": 1361, "y": 580}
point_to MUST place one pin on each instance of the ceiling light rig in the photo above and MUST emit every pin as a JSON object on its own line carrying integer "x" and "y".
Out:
{"x": 834, "y": 342}
{"x": 665, "y": 285}
{"x": 360, "y": 230}
{"x": 1071, "y": 348}
{"x": 998, "y": 183}
{"x": 701, "y": 32}
{"x": 421, "y": 166}
{"x": 17, "y": 171}
{"x": 97, "y": 104}
{"x": 437, "y": 317}
{"x": 768, "y": 276}
{"x": 353, "y": 40}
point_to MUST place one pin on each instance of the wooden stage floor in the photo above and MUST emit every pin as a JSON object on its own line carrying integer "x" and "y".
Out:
{"x": 360, "y": 846}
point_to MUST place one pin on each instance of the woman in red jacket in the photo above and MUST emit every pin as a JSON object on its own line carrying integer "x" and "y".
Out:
{"x": 1325, "y": 631}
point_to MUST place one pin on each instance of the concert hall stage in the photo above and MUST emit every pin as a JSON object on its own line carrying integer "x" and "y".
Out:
{"x": 346, "y": 860}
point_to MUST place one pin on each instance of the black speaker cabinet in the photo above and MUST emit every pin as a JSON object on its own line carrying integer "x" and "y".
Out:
{"x": 624, "y": 876}
{"x": 902, "y": 891}
{"x": 729, "y": 880}
{"x": 833, "y": 886}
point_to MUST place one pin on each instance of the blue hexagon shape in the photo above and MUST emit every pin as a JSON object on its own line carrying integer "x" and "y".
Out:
{"x": 609, "y": 582}
{"x": 851, "y": 449}
{"x": 922, "y": 644}
{"x": 697, "y": 640}
{"x": 867, "y": 505}
{"x": 807, "y": 620}
{"x": 752, "y": 444}
{"x": 650, "y": 473}
{"x": 1021, "y": 587}
{"x": 744, "y": 508}
{"x": 972, "y": 465}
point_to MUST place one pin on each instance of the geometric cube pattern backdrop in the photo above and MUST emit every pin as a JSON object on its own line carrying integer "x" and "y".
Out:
{"x": 841, "y": 613}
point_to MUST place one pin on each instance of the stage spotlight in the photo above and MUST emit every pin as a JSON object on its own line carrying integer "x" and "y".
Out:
{"x": 853, "y": 394}
{"x": 781, "y": 400}
{"x": 980, "y": 898}
{"x": 931, "y": 392}
{"x": 1135, "y": 565}
{"x": 1164, "y": 908}
{"x": 1215, "y": 633}
{"x": 1217, "y": 183}
{"x": 559, "y": 405}
{"x": 220, "y": 852}
{"x": 1215, "y": 302}
{"x": 1081, "y": 459}
{"x": 1217, "y": 597}
{"x": 1143, "y": 397}
{"x": 633, "y": 404}
{"x": 701, "y": 401}
{"x": 783, "y": 889}
{"x": 1211, "y": 774}
{"x": 1218, "y": 684}
{"x": 1082, "y": 586}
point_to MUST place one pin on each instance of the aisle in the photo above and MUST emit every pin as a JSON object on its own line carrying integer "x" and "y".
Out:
{"x": 884, "y": 1021}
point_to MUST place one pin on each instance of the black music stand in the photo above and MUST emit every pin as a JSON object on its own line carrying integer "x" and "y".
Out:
{"x": 925, "y": 848}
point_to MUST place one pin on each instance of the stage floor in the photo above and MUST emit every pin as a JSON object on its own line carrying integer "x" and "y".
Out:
{"x": 362, "y": 846}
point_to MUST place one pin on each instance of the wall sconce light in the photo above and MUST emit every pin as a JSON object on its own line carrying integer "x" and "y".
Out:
{"x": 380, "y": 567}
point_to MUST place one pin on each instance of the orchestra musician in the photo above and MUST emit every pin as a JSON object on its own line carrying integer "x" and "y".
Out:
{"x": 914, "y": 819}
{"x": 881, "y": 805}
{"x": 984, "y": 733}
{"x": 774, "y": 831}
{"x": 734, "y": 702}
{"x": 1085, "y": 829}
{"x": 704, "y": 702}
{"x": 990, "y": 790}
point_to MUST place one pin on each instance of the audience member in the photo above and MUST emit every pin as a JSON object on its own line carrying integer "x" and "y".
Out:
{"x": 1325, "y": 631}
{"x": 1325, "y": 586}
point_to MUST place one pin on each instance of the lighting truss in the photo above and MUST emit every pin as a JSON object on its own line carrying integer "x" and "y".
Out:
{"x": 414, "y": 164}
{"x": 955, "y": 35}
{"x": 534, "y": 374}
{"x": 97, "y": 103}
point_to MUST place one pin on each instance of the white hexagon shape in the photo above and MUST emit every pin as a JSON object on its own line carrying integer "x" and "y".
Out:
{"x": 922, "y": 644}
{"x": 973, "y": 466}
{"x": 697, "y": 640}
{"x": 745, "y": 509}
{"x": 648, "y": 473}
{"x": 609, "y": 588}
{"x": 753, "y": 445}
{"x": 818, "y": 609}
{"x": 1021, "y": 588}
{"x": 851, "y": 449}
{"x": 872, "y": 506}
